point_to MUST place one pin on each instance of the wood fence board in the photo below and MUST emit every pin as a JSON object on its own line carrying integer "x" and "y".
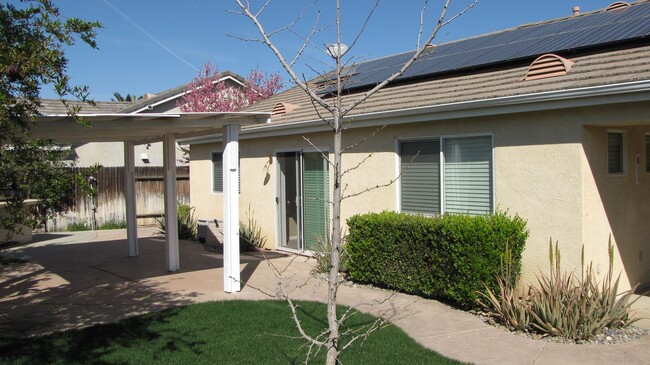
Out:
{"x": 111, "y": 207}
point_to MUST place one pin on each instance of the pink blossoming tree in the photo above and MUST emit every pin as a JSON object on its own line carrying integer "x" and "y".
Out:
{"x": 206, "y": 94}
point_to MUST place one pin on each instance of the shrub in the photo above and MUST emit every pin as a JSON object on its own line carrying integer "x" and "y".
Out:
{"x": 77, "y": 226}
{"x": 112, "y": 224}
{"x": 446, "y": 257}
{"x": 561, "y": 304}
{"x": 187, "y": 225}
{"x": 250, "y": 233}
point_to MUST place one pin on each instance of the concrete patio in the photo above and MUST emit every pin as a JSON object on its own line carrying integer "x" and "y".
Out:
{"x": 78, "y": 279}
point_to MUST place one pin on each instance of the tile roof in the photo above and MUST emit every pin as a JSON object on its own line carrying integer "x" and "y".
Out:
{"x": 56, "y": 107}
{"x": 611, "y": 64}
{"x": 568, "y": 34}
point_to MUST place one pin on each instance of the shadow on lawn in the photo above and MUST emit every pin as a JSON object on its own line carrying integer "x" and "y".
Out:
{"x": 100, "y": 344}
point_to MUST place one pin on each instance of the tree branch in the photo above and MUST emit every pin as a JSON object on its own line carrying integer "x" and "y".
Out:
{"x": 357, "y": 165}
{"x": 281, "y": 58}
{"x": 358, "y": 143}
{"x": 391, "y": 182}
{"x": 365, "y": 24}
{"x": 422, "y": 12}
{"x": 416, "y": 55}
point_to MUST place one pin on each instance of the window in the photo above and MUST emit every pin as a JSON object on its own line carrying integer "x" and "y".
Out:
{"x": 468, "y": 175}
{"x": 615, "y": 153}
{"x": 420, "y": 176}
{"x": 647, "y": 153}
{"x": 452, "y": 175}
{"x": 217, "y": 172}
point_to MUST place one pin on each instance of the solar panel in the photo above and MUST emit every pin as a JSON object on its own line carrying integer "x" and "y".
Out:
{"x": 526, "y": 42}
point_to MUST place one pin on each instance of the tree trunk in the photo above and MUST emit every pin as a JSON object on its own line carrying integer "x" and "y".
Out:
{"x": 333, "y": 284}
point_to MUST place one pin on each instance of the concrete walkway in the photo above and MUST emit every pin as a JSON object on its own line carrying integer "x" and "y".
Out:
{"x": 78, "y": 279}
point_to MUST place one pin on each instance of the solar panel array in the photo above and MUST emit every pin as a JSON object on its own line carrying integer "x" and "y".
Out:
{"x": 526, "y": 42}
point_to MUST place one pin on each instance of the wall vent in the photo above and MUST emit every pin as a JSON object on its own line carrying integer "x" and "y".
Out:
{"x": 618, "y": 6}
{"x": 548, "y": 65}
{"x": 281, "y": 109}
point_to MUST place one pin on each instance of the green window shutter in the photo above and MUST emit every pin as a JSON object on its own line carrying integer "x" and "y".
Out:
{"x": 315, "y": 199}
{"x": 615, "y": 152}
{"x": 217, "y": 172}
{"x": 647, "y": 153}
{"x": 420, "y": 176}
{"x": 468, "y": 175}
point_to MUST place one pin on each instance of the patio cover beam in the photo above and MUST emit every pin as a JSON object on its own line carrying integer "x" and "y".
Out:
{"x": 138, "y": 128}
{"x": 129, "y": 197}
{"x": 171, "y": 201}
{"x": 231, "y": 260}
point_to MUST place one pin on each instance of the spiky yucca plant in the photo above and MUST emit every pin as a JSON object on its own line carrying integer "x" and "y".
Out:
{"x": 561, "y": 304}
{"x": 187, "y": 225}
{"x": 509, "y": 305}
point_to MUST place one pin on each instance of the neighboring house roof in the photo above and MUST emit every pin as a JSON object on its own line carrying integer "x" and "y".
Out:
{"x": 56, "y": 107}
{"x": 174, "y": 93}
{"x": 614, "y": 62}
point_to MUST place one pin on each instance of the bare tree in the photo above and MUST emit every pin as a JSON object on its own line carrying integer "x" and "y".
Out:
{"x": 337, "y": 109}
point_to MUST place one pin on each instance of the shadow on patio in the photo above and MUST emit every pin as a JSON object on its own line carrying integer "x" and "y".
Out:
{"x": 83, "y": 278}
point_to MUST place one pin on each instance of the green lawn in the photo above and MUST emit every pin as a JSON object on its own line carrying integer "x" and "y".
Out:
{"x": 233, "y": 332}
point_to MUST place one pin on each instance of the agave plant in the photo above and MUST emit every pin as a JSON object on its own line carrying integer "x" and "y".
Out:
{"x": 250, "y": 233}
{"x": 187, "y": 225}
{"x": 510, "y": 305}
{"x": 562, "y": 304}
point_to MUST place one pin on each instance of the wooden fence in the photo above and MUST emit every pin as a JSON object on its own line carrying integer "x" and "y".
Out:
{"x": 111, "y": 205}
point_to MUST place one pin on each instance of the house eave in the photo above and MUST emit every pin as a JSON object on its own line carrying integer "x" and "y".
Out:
{"x": 551, "y": 100}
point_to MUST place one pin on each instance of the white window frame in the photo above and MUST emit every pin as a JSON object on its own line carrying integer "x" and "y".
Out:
{"x": 623, "y": 152}
{"x": 441, "y": 139}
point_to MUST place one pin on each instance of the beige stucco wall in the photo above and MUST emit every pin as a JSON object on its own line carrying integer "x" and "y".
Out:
{"x": 617, "y": 204}
{"x": 541, "y": 172}
{"x": 112, "y": 154}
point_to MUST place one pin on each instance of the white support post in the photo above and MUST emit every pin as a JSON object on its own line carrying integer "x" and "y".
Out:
{"x": 129, "y": 188}
{"x": 171, "y": 225}
{"x": 231, "y": 272}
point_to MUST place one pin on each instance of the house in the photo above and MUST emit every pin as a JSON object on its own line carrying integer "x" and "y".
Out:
{"x": 110, "y": 154}
{"x": 550, "y": 121}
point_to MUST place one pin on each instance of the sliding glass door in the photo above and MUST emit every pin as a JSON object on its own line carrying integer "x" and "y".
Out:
{"x": 303, "y": 199}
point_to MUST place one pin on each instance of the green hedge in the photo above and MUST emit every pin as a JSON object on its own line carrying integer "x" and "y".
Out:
{"x": 446, "y": 257}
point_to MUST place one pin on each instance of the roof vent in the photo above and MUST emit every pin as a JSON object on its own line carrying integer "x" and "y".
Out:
{"x": 618, "y": 6}
{"x": 548, "y": 65}
{"x": 576, "y": 10}
{"x": 281, "y": 109}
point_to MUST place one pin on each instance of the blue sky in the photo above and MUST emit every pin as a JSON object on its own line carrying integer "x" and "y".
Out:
{"x": 147, "y": 46}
